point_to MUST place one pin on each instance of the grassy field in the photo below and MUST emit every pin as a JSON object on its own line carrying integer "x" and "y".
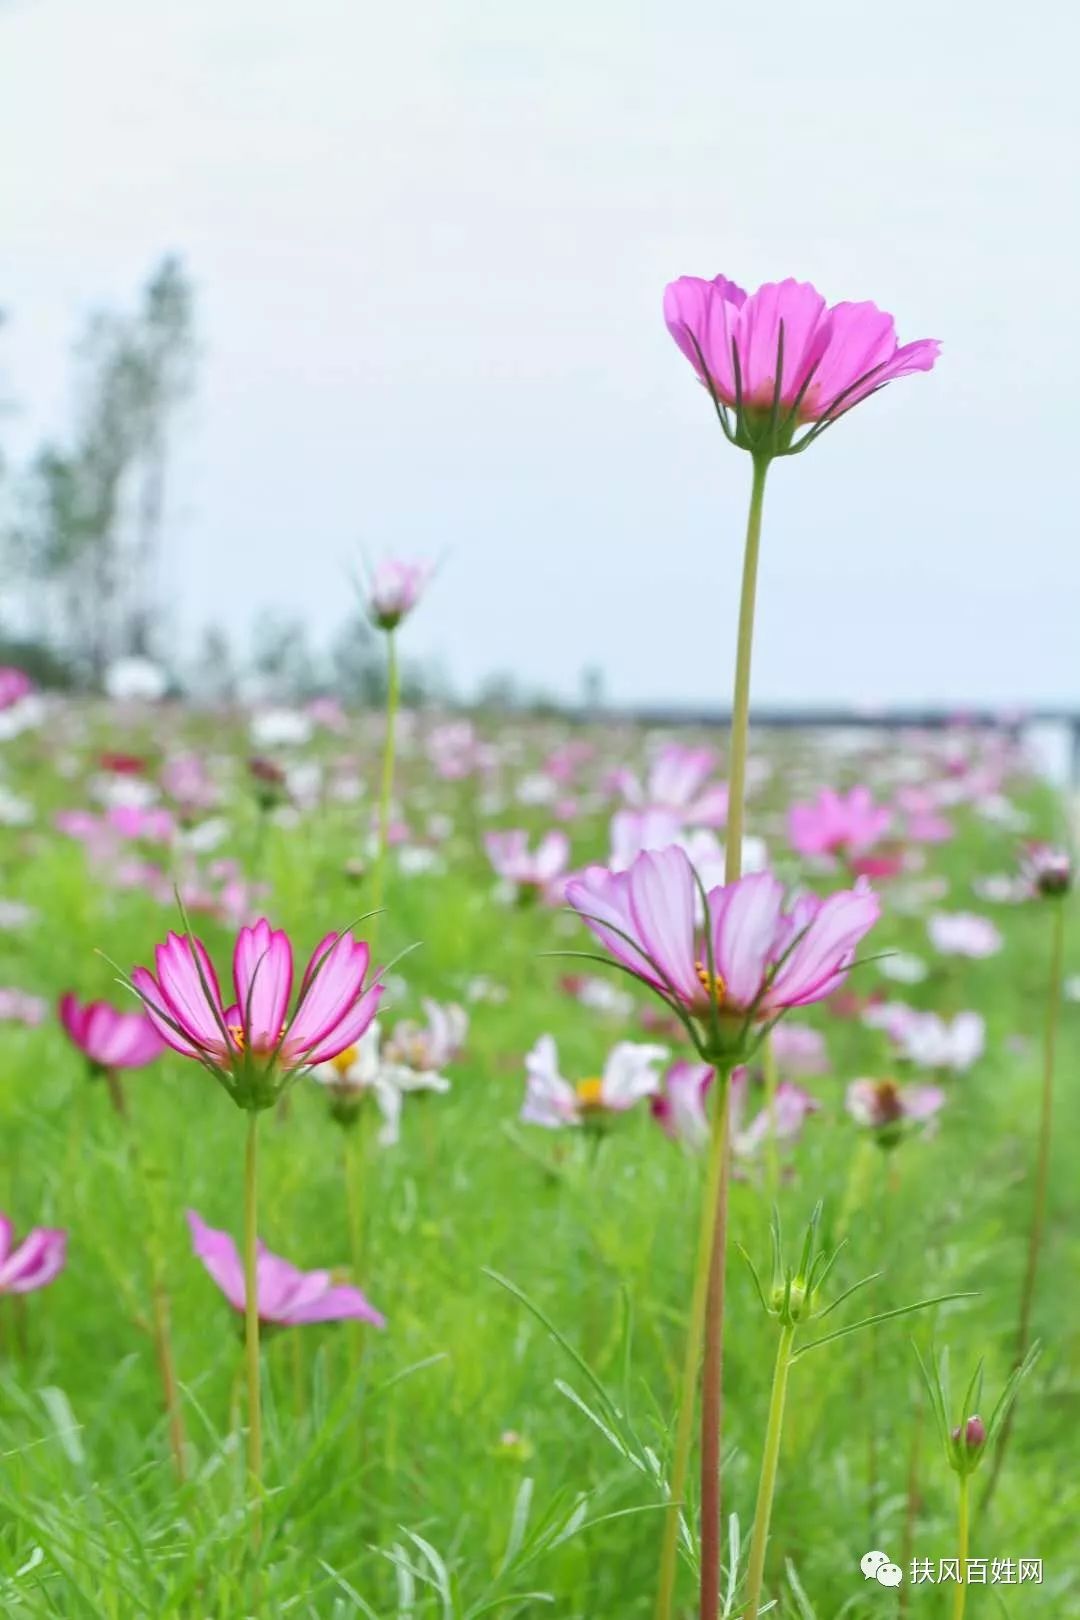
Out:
{"x": 494, "y": 1450}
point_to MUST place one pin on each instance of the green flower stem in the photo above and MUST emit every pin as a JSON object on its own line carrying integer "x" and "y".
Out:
{"x": 740, "y": 709}
{"x": 767, "y": 1484}
{"x": 962, "y": 1538}
{"x": 251, "y": 1325}
{"x": 393, "y": 693}
{"x": 1042, "y": 1174}
{"x": 712, "y": 1378}
{"x": 680, "y": 1464}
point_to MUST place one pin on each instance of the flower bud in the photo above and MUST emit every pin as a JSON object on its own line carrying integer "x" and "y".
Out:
{"x": 970, "y": 1437}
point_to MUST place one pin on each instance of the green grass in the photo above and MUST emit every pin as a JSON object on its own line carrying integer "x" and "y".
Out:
{"x": 493, "y": 1451}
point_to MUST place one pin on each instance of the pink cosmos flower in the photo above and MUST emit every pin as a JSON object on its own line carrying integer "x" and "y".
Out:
{"x": 37, "y": 1261}
{"x": 963, "y": 933}
{"x": 678, "y": 783}
{"x": 883, "y": 1106}
{"x": 838, "y": 823}
{"x": 781, "y": 358}
{"x": 287, "y": 1297}
{"x": 255, "y": 1045}
{"x": 792, "y": 1106}
{"x": 533, "y": 873}
{"x": 798, "y": 1049}
{"x": 15, "y": 684}
{"x": 396, "y": 587}
{"x": 425, "y": 1048}
{"x": 680, "y": 1110}
{"x": 108, "y": 1037}
{"x": 749, "y": 963}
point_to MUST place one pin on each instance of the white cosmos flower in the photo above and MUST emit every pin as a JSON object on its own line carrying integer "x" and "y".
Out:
{"x": 631, "y": 1072}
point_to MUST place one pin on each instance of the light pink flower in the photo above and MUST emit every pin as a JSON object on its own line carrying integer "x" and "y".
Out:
{"x": 750, "y": 962}
{"x": 882, "y": 1105}
{"x": 108, "y": 1037}
{"x": 798, "y": 1049}
{"x": 963, "y": 933}
{"x": 19, "y": 1007}
{"x": 37, "y": 1261}
{"x": 781, "y": 358}
{"x": 533, "y": 873}
{"x": 287, "y": 1297}
{"x": 678, "y": 783}
{"x": 254, "y": 1045}
{"x": 396, "y": 587}
{"x": 792, "y": 1106}
{"x": 679, "y": 1108}
{"x": 846, "y": 824}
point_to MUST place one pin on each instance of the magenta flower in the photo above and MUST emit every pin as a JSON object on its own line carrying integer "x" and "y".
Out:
{"x": 750, "y": 961}
{"x": 37, "y": 1261}
{"x": 781, "y": 358}
{"x": 1048, "y": 870}
{"x": 287, "y": 1297}
{"x": 109, "y": 1038}
{"x": 396, "y": 587}
{"x": 255, "y": 1046}
{"x": 838, "y": 823}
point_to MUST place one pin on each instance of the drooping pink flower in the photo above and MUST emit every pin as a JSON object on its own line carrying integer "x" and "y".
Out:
{"x": 750, "y": 962}
{"x": 255, "y": 1045}
{"x": 885, "y": 1107}
{"x": 782, "y": 359}
{"x": 533, "y": 873}
{"x": 845, "y": 824}
{"x": 37, "y": 1261}
{"x": 287, "y": 1297}
{"x": 396, "y": 587}
{"x": 1048, "y": 870}
{"x": 110, "y": 1038}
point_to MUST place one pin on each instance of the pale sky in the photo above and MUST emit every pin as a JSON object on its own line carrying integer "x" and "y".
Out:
{"x": 430, "y": 243}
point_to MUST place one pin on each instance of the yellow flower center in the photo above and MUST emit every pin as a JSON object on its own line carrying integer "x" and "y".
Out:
{"x": 344, "y": 1060}
{"x": 590, "y": 1093}
{"x": 237, "y": 1033}
{"x": 711, "y": 983}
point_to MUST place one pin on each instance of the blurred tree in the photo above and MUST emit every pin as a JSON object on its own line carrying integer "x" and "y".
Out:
{"x": 214, "y": 676}
{"x": 282, "y": 657}
{"x": 93, "y": 585}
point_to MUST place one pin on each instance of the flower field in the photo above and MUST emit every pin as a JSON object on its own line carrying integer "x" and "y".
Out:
{"x": 476, "y": 1138}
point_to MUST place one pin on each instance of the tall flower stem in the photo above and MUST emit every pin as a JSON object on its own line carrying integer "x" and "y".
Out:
{"x": 740, "y": 708}
{"x": 712, "y": 1381}
{"x": 1042, "y": 1175}
{"x": 962, "y": 1538}
{"x": 393, "y": 692}
{"x": 767, "y": 1484}
{"x": 251, "y": 1324}
{"x": 680, "y": 1464}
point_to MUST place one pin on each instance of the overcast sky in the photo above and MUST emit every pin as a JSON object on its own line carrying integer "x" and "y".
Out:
{"x": 430, "y": 243}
